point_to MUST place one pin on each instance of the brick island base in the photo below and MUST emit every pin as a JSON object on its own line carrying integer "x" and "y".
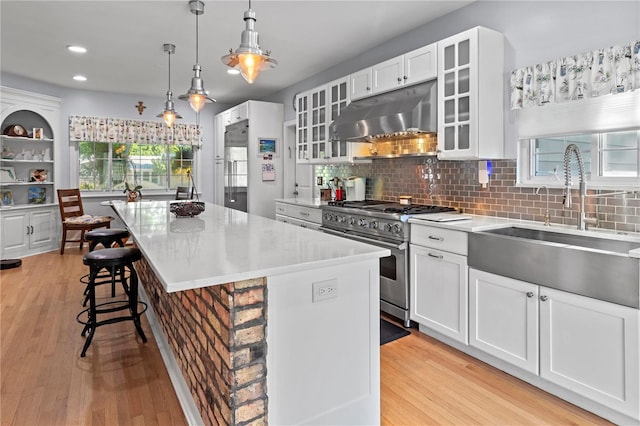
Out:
{"x": 217, "y": 336}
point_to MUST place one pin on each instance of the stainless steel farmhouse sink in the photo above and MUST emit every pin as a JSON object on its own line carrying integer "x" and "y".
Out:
{"x": 591, "y": 266}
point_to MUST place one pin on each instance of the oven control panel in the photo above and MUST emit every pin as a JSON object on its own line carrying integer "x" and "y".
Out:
{"x": 366, "y": 225}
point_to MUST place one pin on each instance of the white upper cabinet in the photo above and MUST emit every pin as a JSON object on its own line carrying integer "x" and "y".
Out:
{"x": 470, "y": 95}
{"x": 412, "y": 67}
{"x": 236, "y": 114}
{"x": 388, "y": 75}
{"x": 421, "y": 64}
{"x": 360, "y": 84}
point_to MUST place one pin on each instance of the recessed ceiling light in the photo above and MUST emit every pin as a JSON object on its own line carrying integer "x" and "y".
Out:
{"x": 77, "y": 49}
{"x": 233, "y": 71}
{"x": 79, "y": 78}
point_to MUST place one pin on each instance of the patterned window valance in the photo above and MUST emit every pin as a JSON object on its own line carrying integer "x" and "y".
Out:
{"x": 101, "y": 129}
{"x": 612, "y": 70}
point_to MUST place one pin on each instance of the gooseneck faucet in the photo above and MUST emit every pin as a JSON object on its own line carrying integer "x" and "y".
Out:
{"x": 573, "y": 149}
{"x": 582, "y": 192}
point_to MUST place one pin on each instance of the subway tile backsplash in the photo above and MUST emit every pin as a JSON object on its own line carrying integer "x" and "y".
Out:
{"x": 455, "y": 184}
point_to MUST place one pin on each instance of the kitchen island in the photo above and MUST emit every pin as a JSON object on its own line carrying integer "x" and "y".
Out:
{"x": 260, "y": 321}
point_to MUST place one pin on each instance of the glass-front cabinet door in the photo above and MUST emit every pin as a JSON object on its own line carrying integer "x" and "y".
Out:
{"x": 318, "y": 113}
{"x": 470, "y": 105}
{"x": 338, "y": 101}
{"x": 457, "y": 128}
{"x": 302, "y": 127}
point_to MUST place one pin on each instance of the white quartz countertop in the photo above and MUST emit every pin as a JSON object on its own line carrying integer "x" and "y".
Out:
{"x": 224, "y": 245}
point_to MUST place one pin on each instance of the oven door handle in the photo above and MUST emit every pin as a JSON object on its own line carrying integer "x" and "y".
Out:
{"x": 401, "y": 246}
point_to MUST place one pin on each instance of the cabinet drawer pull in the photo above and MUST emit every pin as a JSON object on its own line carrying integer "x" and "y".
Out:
{"x": 433, "y": 237}
{"x": 530, "y": 294}
{"x": 544, "y": 298}
{"x": 31, "y": 229}
{"x": 280, "y": 209}
{"x": 437, "y": 256}
{"x": 27, "y": 230}
{"x": 304, "y": 214}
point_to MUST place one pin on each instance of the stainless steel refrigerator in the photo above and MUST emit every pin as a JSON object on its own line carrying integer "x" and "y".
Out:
{"x": 236, "y": 153}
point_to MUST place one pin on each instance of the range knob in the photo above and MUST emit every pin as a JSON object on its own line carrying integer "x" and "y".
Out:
{"x": 396, "y": 229}
{"x": 373, "y": 225}
{"x": 362, "y": 222}
{"x": 388, "y": 227}
{"x": 352, "y": 221}
{"x": 342, "y": 219}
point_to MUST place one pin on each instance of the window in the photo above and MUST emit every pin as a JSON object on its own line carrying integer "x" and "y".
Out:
{"x": 112, "y": 152}
{"x": 106, "y": 166}
{"x": 610, "y": 159}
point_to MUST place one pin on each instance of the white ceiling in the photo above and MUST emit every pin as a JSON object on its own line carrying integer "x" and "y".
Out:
{"x": 124, "y": 40}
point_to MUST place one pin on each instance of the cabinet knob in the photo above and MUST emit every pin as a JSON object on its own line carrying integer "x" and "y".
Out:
{"x": 368, "y": 88}
{"x": 530, "y": 294}
{"x": 406, "y": 77}
{"x": 544, "y": 298}
{"x": 400, "y": 80}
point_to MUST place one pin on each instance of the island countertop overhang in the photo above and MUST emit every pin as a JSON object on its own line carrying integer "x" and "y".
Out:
{"x": 223, "y": 245}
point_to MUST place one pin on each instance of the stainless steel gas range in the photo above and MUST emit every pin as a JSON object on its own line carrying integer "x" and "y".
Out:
{"x": 383, "y": 224}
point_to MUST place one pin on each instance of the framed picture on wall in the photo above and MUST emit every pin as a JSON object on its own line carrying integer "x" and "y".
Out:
{"x": 268, "y": 146}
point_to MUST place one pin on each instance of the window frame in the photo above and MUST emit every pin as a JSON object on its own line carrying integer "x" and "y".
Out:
{"x": 526, "y": 166}
{"x": 75, "y": 170}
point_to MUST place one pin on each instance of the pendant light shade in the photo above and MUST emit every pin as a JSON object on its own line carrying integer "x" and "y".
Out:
{"x": 196, "y": 95}
{"x": 169, "y": 115}
{"x": 248, "y": 58}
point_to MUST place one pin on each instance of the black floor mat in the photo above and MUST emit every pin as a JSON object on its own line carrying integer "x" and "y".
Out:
{"x": 390, "y": 332}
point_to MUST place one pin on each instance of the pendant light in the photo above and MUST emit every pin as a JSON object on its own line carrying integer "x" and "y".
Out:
{"x": 169, "y": 114}
{"x": 248, "y": 57}
{"x": 196, "y": 95}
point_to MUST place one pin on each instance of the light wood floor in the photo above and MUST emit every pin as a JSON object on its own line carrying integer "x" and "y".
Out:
{"x": 123, "y": 381}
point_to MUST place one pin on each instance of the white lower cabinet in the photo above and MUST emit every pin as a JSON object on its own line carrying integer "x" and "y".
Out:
{"x": 591, "y": 347}
{"x": 438, "y": 277}
{"x": 587, "y": 346}
{"x": 299, "y": 215}
{"x": 503, "y": 318}
{"x": 439, "y": 291}
{"x": 28, "y": 231}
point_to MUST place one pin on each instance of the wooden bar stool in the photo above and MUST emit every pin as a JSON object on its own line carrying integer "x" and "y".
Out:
{"x": 114, "y": 259}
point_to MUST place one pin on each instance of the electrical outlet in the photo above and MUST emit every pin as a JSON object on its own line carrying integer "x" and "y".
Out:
{"x": 324, "y": 290}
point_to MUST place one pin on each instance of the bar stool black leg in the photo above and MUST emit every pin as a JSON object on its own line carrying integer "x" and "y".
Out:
{"x": 133, "y": 302}
{"x": 91, "y": 322}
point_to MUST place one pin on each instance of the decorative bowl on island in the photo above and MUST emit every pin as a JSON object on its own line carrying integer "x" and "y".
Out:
{"x": 186, "y": 208}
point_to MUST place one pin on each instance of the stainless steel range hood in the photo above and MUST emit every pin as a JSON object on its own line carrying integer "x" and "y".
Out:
{"x": 401, "y": 112}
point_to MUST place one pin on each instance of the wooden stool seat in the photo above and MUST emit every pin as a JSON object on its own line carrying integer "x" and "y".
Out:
{"x": 107, "y": 237}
